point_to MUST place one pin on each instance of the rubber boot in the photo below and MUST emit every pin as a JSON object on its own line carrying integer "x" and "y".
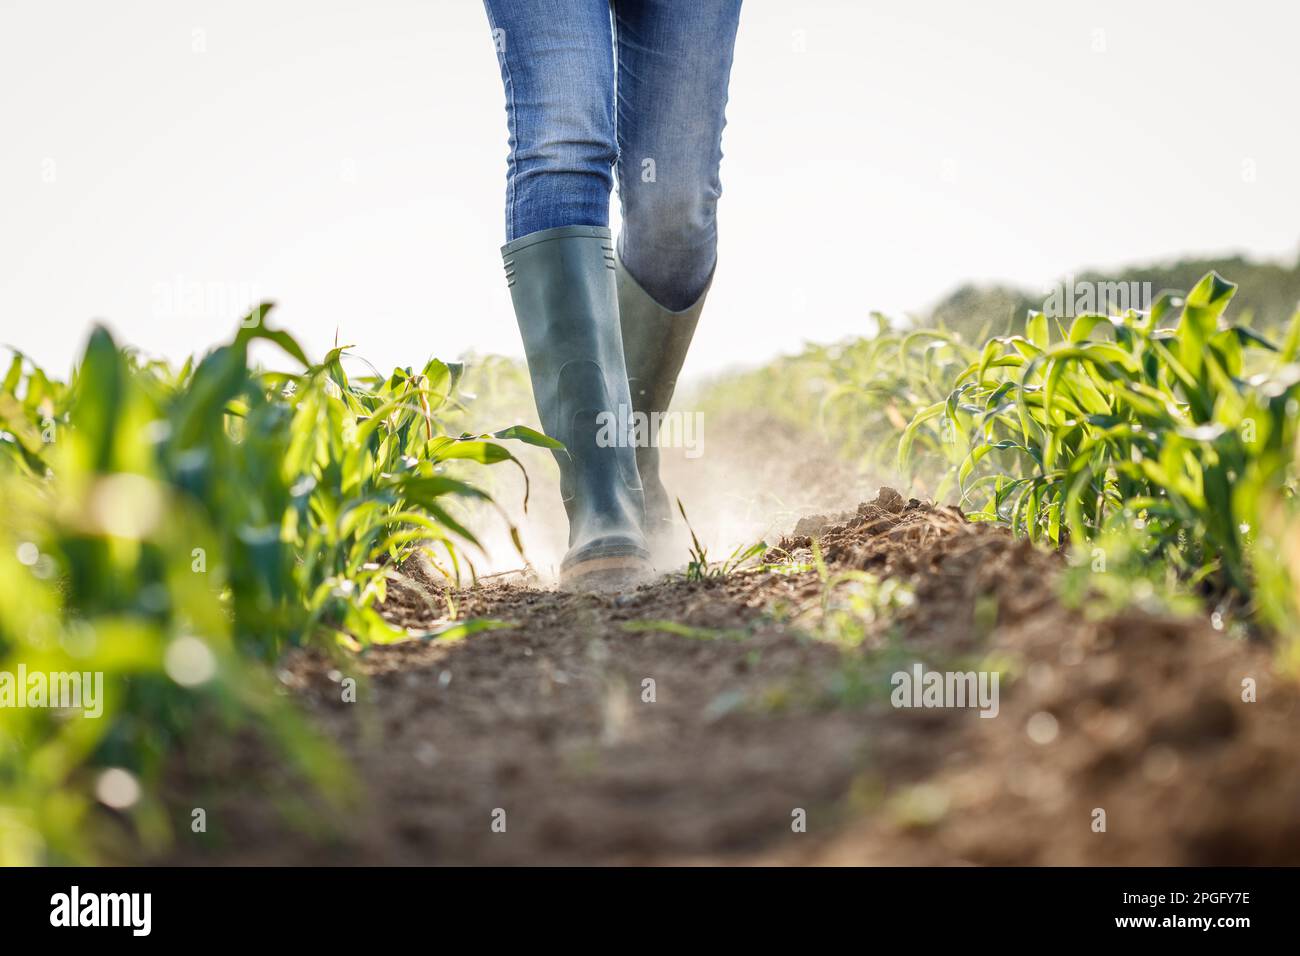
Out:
{"x": 562, "y": 283}
{"x": 655, "y": 342}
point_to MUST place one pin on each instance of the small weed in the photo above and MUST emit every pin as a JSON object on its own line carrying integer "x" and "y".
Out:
{"x": 700, "y": 568}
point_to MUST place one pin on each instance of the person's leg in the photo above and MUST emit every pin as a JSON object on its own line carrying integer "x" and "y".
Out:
{"x": 674, "y": 64}
{"x": 557, "y": 66}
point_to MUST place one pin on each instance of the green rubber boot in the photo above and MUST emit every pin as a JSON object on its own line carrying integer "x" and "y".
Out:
{"x": 563, "y": 287}
{"x": 655, "y": 342}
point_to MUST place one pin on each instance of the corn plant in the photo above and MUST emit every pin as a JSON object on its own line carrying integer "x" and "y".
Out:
{"x": 860, "y": 394}
{"x": 877, "y": 384}
{"x": 1119, "y": 423}
{"x": 174, "y": 529}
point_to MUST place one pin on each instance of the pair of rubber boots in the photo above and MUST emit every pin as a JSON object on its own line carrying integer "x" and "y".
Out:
{"x": 600, "y": 350}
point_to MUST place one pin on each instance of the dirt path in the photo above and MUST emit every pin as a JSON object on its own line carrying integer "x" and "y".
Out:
{"x": 753, "y": 724}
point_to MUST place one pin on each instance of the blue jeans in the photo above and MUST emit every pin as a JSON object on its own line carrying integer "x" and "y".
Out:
{"x": 637, "y": 84}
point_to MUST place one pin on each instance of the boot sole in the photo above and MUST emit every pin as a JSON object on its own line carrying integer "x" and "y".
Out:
{"x": 606, "y": 573}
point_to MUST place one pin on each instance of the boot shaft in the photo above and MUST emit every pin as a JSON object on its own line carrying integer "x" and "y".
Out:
{"x": 655, "y": 341}
{"x": 562, "y": 284}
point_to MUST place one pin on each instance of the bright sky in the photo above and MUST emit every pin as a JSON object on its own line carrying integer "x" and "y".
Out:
{"x": 165, "y": 162}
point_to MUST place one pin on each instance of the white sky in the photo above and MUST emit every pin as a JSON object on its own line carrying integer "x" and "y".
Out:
{"x": 347, "y": 159}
